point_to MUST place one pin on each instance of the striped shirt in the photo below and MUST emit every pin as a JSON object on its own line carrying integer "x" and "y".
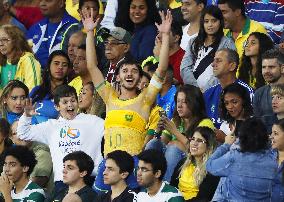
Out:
{"x": 167, "y": 193}
{"x": 31, "y": 193}
{"x": 270, "y": 13}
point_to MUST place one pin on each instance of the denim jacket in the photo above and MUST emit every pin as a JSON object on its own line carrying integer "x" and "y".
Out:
{"x": 278, "y": 186}
{"x": 245, "y": 176}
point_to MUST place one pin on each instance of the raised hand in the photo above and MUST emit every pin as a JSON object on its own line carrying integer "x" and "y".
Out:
{"x": 167, "y": 19}
{"x": 29, "y": 108}
{"x": 88, "y": 20}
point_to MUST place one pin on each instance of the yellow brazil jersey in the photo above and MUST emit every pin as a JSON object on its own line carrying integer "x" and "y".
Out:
{"x": 125, "y": 123}
{"x": 77, "y": 84}
{"x": 187, "y": 184}
{"x": 250, "y": 26}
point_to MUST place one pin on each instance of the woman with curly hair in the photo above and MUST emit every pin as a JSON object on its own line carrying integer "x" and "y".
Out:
{"x": 190, "y": 175}
{"x": 250, "y": 67}
{"x": 12, "y": 100}
{"x": 16, "y": 58}
{"x": 235, "y": 108}
{"x": 248, "y": 168}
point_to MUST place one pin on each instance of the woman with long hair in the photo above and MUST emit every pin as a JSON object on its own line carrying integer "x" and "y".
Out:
{"x": 139, "y": 18}
{"x": 12, "y": 100}
{"x": 277, "y": 144}
{"x": 90, "y": 101}
{"x": 190, "y": 175}
{"x": 196, "y": 66}
{"x": 5, "y": 142}
{"x": 189, "y": 113}
{"x": 54, "y": 74}
{"x": 250, "y": 67}
{"x": 235, "y": 108}
{"x": 247, "y": 171}
{"x": 16, "y": 58}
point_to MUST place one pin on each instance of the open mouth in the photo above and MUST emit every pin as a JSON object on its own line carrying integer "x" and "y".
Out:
{"x": 129, "y": 80}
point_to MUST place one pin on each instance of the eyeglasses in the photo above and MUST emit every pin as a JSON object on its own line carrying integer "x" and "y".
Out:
{"x": 113, "y": 43}
{"x": 4, "y": 40}
{"x": 198, "y": 140}
{"x": 143, "y": 170}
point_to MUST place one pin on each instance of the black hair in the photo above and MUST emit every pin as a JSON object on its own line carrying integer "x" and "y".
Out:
{"x": 147, "y": 75}
{"x": 176, "y": 29}
{"x": 274, "y": 53}
{"x": 156, "y": 159}
{"x": 122, "y": 18}
{"x": 245, "y": 69}
{"x": 196, "y": 105}
{"x": 234, "y": 5}
{"x": 253, "y": 136}
{"x": 84, "y": 163}
{"x": 241, "y": 91}
{"x": 201, "y": 2}
{"x": 64, "y": 91}
{"x": 81, "y": 3}
{"x": 45, "y": 88}
{"x": 128, "y": 62}
{"x": 5, "y": 129}
{"x": 123, "y": 160}
{"x": 151, "y": 66}
{"x": 202, "y": 35}
{"x": 24, "y": 155}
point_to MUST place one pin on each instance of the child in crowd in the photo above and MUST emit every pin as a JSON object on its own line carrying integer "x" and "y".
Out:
{"x": 70, "y": 132}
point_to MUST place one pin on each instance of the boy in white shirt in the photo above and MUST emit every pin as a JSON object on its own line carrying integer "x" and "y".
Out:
{"x": 70, "y": 132}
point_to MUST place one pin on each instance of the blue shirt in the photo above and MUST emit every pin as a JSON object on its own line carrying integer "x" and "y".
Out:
{"x": 212, "y": 101}
{"x": 45, "y": 108}
{"x": 278, "y": 182}
{"x": 12, "y": 117}
{"x": 167, "y": 102}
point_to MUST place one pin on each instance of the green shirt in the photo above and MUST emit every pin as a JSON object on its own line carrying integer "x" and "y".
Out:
{"x": 8, "y": 73}
{"x": 31, "y": 193}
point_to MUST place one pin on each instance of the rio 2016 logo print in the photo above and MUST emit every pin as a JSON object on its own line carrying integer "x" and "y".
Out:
{"x": 70, "y": 132}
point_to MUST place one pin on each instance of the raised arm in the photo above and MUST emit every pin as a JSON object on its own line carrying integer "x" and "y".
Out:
{"x": 164, "y": 29}
{"x": 92, "y": 62}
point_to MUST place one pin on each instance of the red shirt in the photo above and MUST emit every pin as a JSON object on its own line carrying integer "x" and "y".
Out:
{"x": 175, "y": 61}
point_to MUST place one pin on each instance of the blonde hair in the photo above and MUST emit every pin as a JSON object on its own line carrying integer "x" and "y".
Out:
{"x": 277, "y": 89}
{"x": 20, "y": 44}
{"x": 200, "y": 167}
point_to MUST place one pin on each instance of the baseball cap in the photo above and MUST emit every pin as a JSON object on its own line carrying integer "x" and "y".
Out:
{"x": 119, "y": 34}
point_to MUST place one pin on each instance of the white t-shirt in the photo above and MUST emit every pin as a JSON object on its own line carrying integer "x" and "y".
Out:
{"x": 185, "y": 37}
{"x": 83, "y": 133}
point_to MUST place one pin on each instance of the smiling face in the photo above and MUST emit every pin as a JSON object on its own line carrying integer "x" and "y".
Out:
{"x": 229, "y": 15}
{"x": 59, "y": 67}
{"x": 234, "y": 105}
{"x": 252, "y": 46}
{"x": 182, "y": 106}
{"x": 68, "y": 107}
{"x": 190, "y": 10}
{"x": 197, "y": 146}
{"x": 211, "y": 24}
{"x": 129, "y": 76}
{"x": 138, "y": 11}
{"x": 277, "y": 138}
{"x": 15, "y": 101}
